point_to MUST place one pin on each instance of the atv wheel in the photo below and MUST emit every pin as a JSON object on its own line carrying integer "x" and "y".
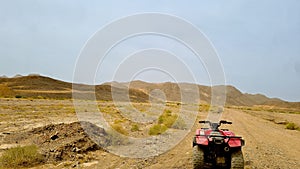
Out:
{"x": 237, "y": 160}
{"x": 198, "y": 157}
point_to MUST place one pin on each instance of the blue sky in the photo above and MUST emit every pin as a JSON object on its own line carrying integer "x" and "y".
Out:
{"x": 258, "y": 42}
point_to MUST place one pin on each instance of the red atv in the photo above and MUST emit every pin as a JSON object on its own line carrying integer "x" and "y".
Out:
{"x": 217, "y": 148}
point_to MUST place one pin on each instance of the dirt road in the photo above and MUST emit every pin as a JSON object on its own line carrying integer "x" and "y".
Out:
{"x": 268, "y": 145}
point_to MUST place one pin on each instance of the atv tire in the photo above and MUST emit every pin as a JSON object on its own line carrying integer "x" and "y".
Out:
{"x": 237, "y": 160}
{"x": 198, "y": 157}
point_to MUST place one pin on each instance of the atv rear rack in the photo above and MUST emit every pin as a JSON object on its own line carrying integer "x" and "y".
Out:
{"x": 208, "y": 136}
{"x": 242, "y": 143}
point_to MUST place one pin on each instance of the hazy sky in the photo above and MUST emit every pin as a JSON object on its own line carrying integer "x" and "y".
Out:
{"x": 258, "y": 41}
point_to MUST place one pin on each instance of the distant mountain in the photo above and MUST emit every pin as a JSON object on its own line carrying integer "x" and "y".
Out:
{"x": 18, "y": 75}
{"x": 37, "y": 86}
{"x": 45, "y": 87}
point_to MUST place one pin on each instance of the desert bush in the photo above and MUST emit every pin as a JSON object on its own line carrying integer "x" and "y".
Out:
{"x": 294, "y": 112}
{"x": 169, "y": 121}
{"x": 40, "y": 97}
{"x": 134, "y": 128}
{"x": 160, "y": 120}
{"x": 291, "y": 126}
{"x": 168, "y": 112}
{"x": 117, "y": 121}
{"x": 157, "y": 129}
{"x": 204, "y": 107}
{"x": 167, "y": 118}
{"x": 21, "y": 157}
{"x": 119, "y": 129}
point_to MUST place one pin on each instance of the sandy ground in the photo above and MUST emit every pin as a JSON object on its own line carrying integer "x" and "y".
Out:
{"x": 268, "y": 144}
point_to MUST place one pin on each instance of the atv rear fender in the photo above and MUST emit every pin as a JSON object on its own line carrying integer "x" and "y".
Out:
{"x": 232, "y": 141}
{"x": 203, "y": 137}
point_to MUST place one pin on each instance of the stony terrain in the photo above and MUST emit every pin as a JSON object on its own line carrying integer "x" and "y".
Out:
{"x": 53, "y": 126}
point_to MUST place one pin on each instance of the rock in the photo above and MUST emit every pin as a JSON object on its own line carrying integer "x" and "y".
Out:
{"x": 89, "y": 164}
{"x": 79, "y": 156}
{"x": 75, "y": 164}
{"x": 281, "y": 122}
{"x": 58, "y": 155}
{"x": 54, "y": 137}
{"x": 76, "y": 149}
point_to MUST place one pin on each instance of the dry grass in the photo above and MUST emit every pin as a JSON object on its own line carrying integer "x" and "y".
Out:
{"x": 5, "y": 91}
{"x": 165, "y": 121}
{"x": 134, "y": 128}
{"x": 18, "y": 157}
{"x": 119, "y": 128}
{"x": 204, "y": 107}
{"x": 157, "y": 129}
{"x": 167, "y": 118}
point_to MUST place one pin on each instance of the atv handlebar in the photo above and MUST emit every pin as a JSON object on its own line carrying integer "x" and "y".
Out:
{"x": 221, "y": 122}
{"x": 225, "y": 122}
{"x": 215, "y": 126}
{"x": 202, "y": 121}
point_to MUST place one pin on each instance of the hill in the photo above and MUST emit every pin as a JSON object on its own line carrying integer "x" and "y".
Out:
{"x": 36, "y": 86}
{"x": 45, "y": 87}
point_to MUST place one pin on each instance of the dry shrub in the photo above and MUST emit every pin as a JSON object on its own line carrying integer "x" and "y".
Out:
{"x": 119, "y": 128}
{"x": 17, "y": 157}
{"x": 291, "y": 126}
{"x": 134, "y": 128}
{"x": 157, "y": 129}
